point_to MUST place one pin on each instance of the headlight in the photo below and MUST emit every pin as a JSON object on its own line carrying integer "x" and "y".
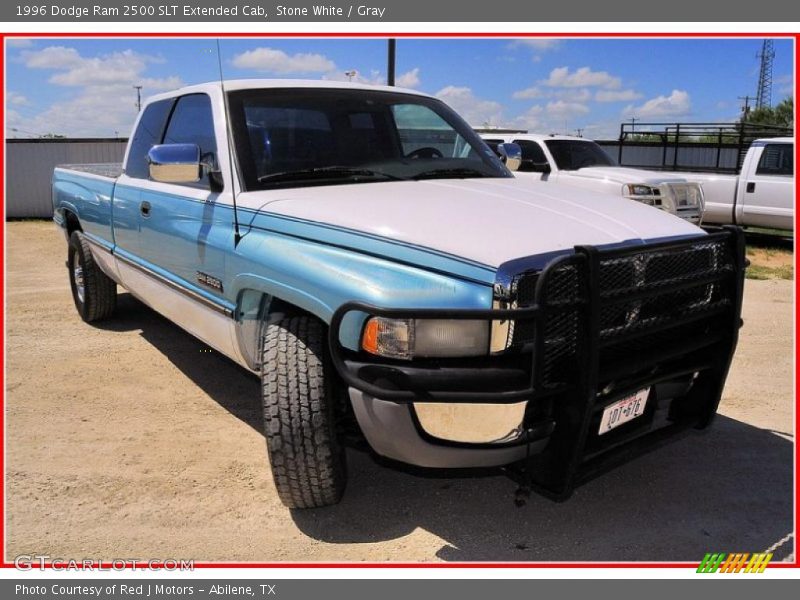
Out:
{"x": 642, "y": 193}
{"x": 409, "y": 338}
{"x": 685, "y": 195}
{"x": 694, "y": 195}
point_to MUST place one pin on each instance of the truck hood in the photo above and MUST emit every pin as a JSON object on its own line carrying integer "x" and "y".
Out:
{"x": 488, "y": 221}
{"x": 624, "y": 175}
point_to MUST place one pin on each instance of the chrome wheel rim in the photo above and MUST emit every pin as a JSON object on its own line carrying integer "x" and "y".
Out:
{"x": 77, "y": 277}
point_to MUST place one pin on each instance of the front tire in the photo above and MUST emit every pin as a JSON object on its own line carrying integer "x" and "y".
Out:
{"x": 308, "y": 463}
{"x": 94, "y": 292}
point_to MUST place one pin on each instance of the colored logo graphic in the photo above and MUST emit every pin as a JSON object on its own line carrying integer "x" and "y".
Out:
{"x": 734, "y": 563}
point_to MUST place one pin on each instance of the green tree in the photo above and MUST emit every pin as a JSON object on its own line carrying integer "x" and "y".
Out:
{"x": 781, "y": 115}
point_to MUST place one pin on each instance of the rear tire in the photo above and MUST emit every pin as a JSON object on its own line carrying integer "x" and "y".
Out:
{"x": 94, "y": 293}
{"x": 308, "y": 463}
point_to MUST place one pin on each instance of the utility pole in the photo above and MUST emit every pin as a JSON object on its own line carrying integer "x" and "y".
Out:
{"x": 138, "y": 97}
{"x": 633, "y": 123}
{"x": 391, "y": 51}
{"x": 746, "y": 107}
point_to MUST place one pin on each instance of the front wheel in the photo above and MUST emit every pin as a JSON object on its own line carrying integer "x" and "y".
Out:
{"x": 308, "y": 463}
{"x": 94, "y": 292}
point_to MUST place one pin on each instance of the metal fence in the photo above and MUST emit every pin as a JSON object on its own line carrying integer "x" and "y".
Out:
{"x": 30, "y": 164}
{"x": 654, "y": 155}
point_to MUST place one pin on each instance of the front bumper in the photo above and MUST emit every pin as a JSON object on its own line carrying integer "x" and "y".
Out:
{"x": 589, "y": 344}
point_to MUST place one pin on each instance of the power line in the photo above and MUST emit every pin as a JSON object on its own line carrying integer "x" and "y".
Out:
{"x": 25, "y": 131}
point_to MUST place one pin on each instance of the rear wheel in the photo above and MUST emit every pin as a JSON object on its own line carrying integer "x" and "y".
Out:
{"x": 308, "y": 463}
{"x": 94, "y": 293}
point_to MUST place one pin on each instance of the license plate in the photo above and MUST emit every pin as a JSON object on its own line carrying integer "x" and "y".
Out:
{"x": 623, "y": 411}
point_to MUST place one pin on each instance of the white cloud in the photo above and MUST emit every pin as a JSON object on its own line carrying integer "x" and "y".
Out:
{"x": 101, "y": 100}
{"x": 17, "y": 99}
{"x": 475, "y": 111}
{"x": 97, "y": 111}
{"x": 567, "y": 94}
{"x": 616, "y": 95}
{"x": 677, "y": 104}
{"x": 72, "y": 69}
{"x": 530, "y": 93}
{"x": 582, "y": 77}
{"x": 538, "y": 44}
{"x": 531, "y": 119}
{"x": 52, "y": 57}
{"x": 409, "y": 79}
{"x": 19, "y": 42}
{"x": 270, "y": 60}
{"x": 572, "y": 95}
{"x": 566, "y": 110}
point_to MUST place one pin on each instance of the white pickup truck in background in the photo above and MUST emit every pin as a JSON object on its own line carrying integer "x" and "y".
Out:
{"x": 761, "y": 195}
{"x": 582, "y": 163}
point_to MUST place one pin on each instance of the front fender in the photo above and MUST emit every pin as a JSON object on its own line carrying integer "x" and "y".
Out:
{"x": 319, "y": 278}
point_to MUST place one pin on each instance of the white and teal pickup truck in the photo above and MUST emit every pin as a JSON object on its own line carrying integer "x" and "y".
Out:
{"x": 363, "y": 252}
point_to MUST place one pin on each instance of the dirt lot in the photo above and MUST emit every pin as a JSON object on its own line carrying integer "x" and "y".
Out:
{"x": 134, "y": 440}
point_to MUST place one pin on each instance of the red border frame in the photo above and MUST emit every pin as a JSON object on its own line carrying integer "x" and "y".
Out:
{"x": 390, "y": 565}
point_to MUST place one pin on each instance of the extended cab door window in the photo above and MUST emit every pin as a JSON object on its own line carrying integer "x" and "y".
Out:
{"x": 192, "y": 122}
{"x": 776, "y": 159}
{"x": 533, "y": 157}
{"x": 148, "y": 133}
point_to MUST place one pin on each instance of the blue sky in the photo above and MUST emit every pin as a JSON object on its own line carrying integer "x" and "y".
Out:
{"x": 85, "y": 87}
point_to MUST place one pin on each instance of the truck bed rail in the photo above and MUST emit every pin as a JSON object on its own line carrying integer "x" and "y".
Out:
{"x": 110, "y": 170}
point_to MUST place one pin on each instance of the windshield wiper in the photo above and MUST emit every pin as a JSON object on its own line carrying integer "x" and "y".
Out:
{"x": 333, "y": 172}
{"x": 453, "y": 173}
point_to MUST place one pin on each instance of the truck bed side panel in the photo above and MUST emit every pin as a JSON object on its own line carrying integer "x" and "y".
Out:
{"x": 719, "y": 192}
{"x": 88, "y": 196}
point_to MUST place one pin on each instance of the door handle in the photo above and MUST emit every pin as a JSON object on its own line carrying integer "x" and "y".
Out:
{"x": 751, "y": 187}
{"x": 144, "y": 208}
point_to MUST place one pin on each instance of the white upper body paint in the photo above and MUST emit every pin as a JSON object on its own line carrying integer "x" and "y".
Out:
{"x": 488, "y": 221}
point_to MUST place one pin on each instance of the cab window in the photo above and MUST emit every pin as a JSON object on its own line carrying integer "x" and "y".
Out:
{"x": 192, "y": 122}
{"x": 776, "y": 159}
{"x": 148, "y": 133}
{"x": 532, "y": 154}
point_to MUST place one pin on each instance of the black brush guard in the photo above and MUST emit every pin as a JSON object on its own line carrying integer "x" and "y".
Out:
{"x": 590, "y": 328}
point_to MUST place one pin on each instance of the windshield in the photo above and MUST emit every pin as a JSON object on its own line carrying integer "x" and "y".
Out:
{"x": 312, "y": 136}
{"x": 571, "y": 155}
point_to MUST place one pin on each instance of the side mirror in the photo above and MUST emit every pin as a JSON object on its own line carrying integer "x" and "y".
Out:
{"x": 175, "y": 163}
{"x": 511, "y": 155}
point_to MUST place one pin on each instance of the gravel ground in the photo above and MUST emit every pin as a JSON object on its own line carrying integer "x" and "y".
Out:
{"x": 132, "y": 439}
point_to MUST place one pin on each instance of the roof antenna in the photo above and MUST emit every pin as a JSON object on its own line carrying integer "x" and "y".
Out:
{"x": 236, "y": 235}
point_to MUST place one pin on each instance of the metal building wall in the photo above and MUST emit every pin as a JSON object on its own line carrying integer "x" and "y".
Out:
{"x": 30, "y": 164}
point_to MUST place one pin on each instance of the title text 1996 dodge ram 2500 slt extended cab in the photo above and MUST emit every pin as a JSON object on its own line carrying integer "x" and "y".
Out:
{"x": 583, "y": 164}
{"x": 377, "y": 264}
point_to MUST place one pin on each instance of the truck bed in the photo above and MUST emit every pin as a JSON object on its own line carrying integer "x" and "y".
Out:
{"x": 111, "y": 170}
